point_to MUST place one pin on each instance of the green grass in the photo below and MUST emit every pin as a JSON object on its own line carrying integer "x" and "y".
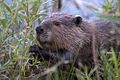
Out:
{"x": 17, "y": 34}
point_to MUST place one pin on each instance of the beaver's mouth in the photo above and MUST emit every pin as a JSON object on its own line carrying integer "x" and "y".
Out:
{"x": 46, "y": 44}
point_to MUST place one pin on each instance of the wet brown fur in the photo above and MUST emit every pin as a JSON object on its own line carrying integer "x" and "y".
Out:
{"x": 78, "y": 38}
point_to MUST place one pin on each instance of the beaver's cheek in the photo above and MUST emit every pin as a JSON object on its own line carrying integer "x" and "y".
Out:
{"x": 44, "y": 38}
{"x": 49, "y": 36}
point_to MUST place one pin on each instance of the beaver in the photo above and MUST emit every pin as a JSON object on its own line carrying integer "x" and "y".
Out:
{"x": 57, "y": 31}
{"x": 60, "y": 31}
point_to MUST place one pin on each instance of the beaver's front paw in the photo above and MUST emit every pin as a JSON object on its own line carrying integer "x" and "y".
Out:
{"x": 35, "y": 48}
{"x": 40, "y": 54}
{"x": 35, "y": 52}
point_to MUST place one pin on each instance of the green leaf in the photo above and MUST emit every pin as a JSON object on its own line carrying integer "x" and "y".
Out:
{"x": 3, "y": 22}
{"x": 7, "y": 7}
{"x": 117, "y": 18}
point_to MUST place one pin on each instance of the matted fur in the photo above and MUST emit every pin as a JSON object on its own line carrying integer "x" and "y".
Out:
{"x": 70, "y": 38}
{"x": 65, "y": 34}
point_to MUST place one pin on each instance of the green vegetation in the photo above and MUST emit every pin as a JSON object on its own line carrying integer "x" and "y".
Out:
{"x": 16, "y": 35}
{"x": 111, "y": 10}
{"x": 17, "y": 25}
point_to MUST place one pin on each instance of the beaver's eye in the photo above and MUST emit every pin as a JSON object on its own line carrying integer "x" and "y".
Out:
{"x": 56, "y": 23}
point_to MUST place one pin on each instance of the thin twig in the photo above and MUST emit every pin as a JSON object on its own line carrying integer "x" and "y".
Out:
{"x": 95, "y": 58}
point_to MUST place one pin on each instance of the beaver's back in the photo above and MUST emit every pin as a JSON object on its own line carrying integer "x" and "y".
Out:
{"x": 75, "y": 35}
{"x": 108, "y": 33}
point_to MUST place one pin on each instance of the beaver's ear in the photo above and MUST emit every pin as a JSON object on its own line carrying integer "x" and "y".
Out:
{"x": 77, "y": 20}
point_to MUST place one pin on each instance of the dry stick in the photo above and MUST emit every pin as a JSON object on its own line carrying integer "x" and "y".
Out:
{"x": 57, "y": 4}
{"x": 46, "y": 72}
{"x": 95, "y": 58}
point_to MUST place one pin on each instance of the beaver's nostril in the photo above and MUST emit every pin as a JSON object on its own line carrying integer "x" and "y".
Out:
{"x": 39, "y": 30}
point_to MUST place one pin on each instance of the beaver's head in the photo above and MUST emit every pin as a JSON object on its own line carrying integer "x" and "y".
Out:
{"x": 45, "y": 30}
{"x": 61, "y": 30}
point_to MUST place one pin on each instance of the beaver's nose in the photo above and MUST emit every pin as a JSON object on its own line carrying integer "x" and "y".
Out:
{"x": 39, "y": 30}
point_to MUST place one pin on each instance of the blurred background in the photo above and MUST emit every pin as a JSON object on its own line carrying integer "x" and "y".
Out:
{"x": 18, "y": 20}
{"x": 86, "y": 8}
